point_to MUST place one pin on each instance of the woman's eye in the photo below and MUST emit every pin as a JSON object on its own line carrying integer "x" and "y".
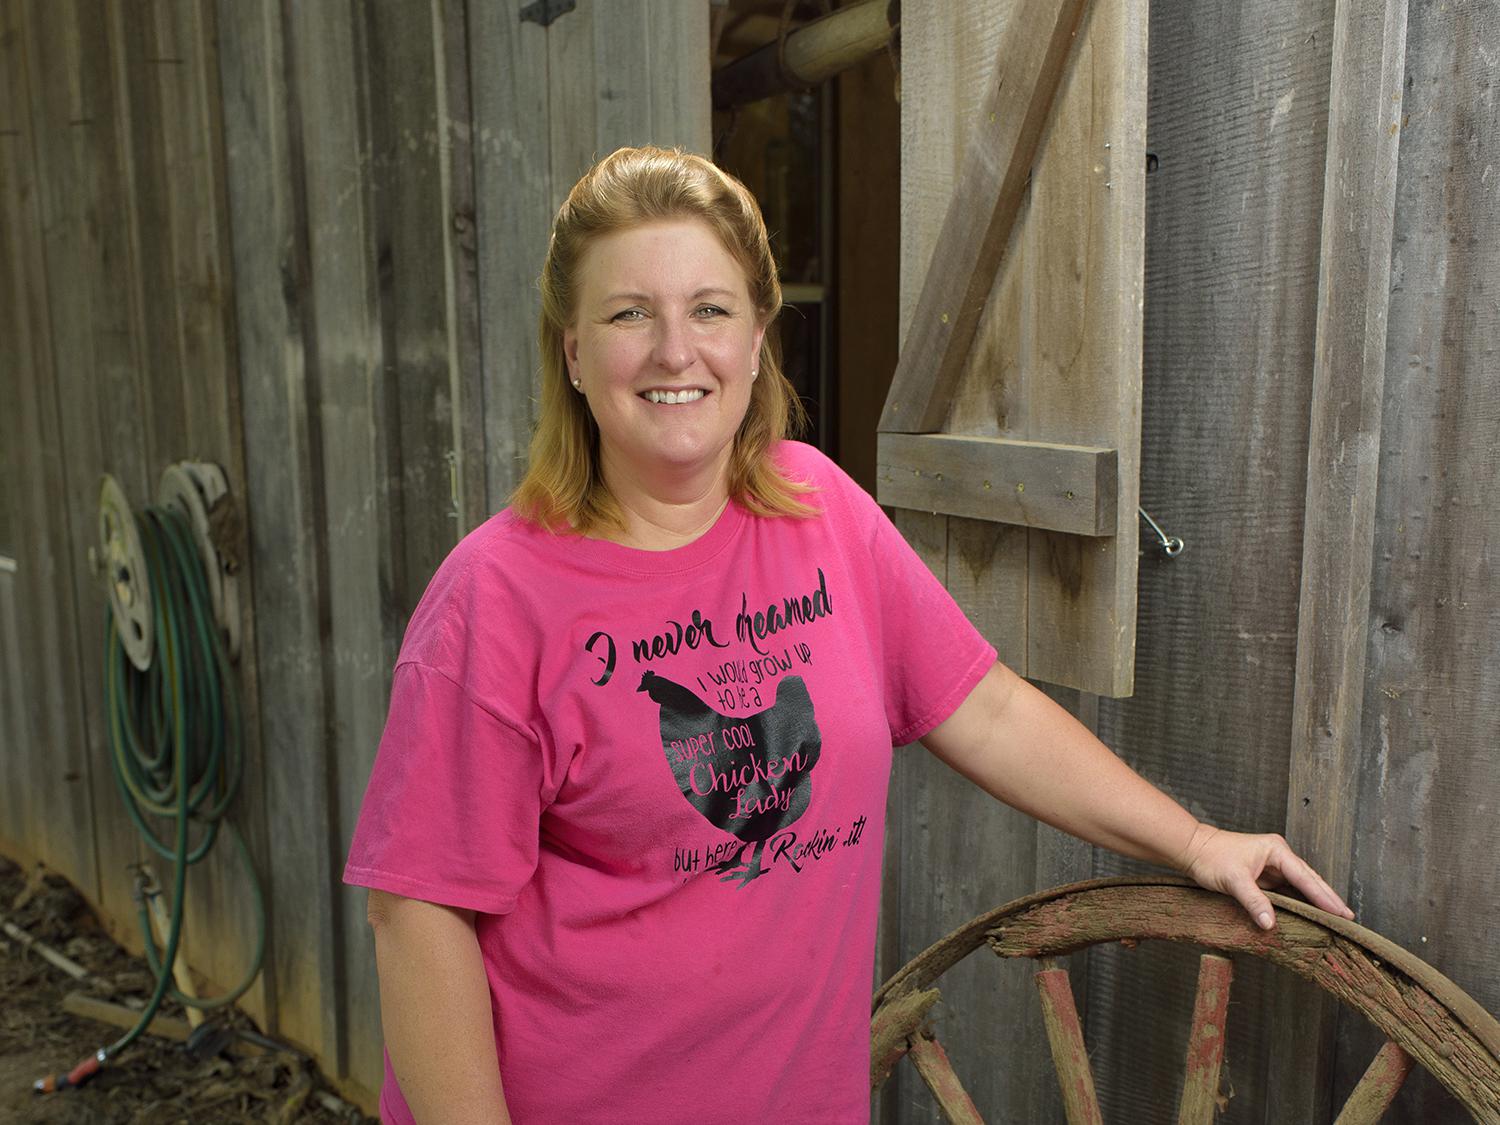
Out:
{"x": 628, "y": 315}
{"x": 706, "y": 311}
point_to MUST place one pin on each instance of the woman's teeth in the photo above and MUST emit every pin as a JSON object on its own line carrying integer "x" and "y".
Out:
{"x": 672, "y": 397}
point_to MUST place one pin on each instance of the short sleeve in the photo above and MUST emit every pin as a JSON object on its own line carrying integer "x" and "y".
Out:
{"x": 453, "y": 808}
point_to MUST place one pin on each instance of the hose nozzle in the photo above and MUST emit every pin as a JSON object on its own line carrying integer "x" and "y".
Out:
{"x": 80, "y": 1074}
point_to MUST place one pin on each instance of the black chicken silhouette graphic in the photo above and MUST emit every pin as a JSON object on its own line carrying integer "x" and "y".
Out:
{"x": 753, "y": 776}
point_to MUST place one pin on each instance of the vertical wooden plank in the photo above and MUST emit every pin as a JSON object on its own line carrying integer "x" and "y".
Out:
{"x": 284, "y": 507}
{"x": 346, "y": 359}
{"x": 514, "y": 204}
{"x": 414, "y": 223}
{"x": 85, "y": 286}
{"x": 1085, "y": 256}
{"x": 1428, "y": 775}
{"x": 681, "y": 109}
{"x": 1238, "y": 118}
{"x": 948, "y": 59}
{"x": 460, "y": 146}
{"x": 1364, "y": 123}
{"x": 181, "y": 63}
{"x": 623, "y": 32}
{"x": 13, "y": 797}
{"x": 868, "y": 250}
{"x": 55, "y": 819}
{"x": 573, "y": 98}
{"x": 143, "y": 148}
{"x": 987, "y": 573}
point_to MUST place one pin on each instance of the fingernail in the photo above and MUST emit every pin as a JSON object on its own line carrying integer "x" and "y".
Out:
{"x": 1264, "y": 918}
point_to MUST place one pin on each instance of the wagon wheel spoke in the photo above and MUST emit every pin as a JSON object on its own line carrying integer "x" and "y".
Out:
{"x": 1205, "y": 1050}
{"x": 1069, "y": 1056}
{"x": 893, "y": 1028}
{"x": 1378, "y": 1088}
{"x": 933, "y": 1065}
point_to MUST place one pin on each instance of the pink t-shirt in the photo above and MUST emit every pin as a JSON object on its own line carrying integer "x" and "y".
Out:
{"x": 660, "y": 779}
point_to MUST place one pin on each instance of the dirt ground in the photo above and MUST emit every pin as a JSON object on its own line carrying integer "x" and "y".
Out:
{"x": 153, "y": 1080}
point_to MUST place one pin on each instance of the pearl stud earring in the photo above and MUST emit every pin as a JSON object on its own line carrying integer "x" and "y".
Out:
{"x": 578, "y": 384}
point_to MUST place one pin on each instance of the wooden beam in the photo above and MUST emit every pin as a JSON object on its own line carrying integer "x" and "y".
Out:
{"x": 117, "y": 1015}
{"x": 932, "y": 1064}
{"x": 1359, "y": 195}
{"x": 1071, "y": 488}
{"x": 1205, "y": 1050}
{"x": 1378, "y": 1088}
{"x": 1069, "y": 1055}
{"x": 814, "y": 53}
{"x": 986, "y": 199}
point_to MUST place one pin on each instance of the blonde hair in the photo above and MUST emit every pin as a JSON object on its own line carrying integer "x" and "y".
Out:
{"x": 563, "y": 487}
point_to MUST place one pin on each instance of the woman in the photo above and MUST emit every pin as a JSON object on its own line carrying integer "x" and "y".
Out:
{"x": 623, "y": 835}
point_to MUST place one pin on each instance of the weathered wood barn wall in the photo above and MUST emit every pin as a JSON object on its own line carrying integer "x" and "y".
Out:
{"x": 1240, "y": 445}
{"x": 300, "y": 240}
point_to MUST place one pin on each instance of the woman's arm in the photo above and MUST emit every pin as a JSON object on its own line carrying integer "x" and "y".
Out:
{"x": 1016, "y": 744}
{"x": 435, "y": 1011}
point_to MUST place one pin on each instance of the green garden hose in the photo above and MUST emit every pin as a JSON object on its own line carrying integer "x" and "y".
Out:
{"x": 176, "y": 748}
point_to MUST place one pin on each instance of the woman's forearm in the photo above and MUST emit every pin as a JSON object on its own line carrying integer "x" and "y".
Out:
{"x": 1015, "y": 743}
{"x": 435, "y": 1011}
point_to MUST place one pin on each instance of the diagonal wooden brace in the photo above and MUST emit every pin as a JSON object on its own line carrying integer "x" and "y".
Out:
{"x": 986, "y": 199}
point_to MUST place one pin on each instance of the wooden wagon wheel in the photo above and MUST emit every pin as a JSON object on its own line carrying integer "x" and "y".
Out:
{"x": 1426, "y": 1018}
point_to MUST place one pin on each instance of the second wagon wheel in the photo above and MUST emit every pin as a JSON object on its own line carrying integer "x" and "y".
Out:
{"x": 1426, "y": 1018}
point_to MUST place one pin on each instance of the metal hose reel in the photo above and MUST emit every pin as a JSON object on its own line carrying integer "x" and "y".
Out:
{"x": 125, "y": 573}
{"x": 172, "y": 708}
{"x": 197, "y": 489}
{"x": 199, "y": 492}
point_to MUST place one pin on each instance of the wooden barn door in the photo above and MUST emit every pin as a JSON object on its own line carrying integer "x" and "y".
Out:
{"x": 1012, "y": 430}
{"x": 1009, "y": 449}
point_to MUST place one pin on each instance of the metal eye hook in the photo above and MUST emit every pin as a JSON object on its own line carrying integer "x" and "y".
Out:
{"x": 1171, "y": 544}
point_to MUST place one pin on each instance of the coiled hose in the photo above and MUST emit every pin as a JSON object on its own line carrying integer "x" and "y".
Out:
{"x": 177, "y": 751}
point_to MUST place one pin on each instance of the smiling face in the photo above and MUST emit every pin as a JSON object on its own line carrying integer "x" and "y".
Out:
{"x": 663, "y": 342}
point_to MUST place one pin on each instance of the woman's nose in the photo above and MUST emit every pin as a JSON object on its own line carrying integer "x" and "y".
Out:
{"x": 674, "y": 347}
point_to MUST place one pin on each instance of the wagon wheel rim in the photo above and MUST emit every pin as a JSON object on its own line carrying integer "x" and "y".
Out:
{"x": 1455, "y": 1039}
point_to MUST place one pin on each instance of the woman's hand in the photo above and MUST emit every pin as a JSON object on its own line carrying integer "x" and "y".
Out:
{"x": 1240, "y": 865}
